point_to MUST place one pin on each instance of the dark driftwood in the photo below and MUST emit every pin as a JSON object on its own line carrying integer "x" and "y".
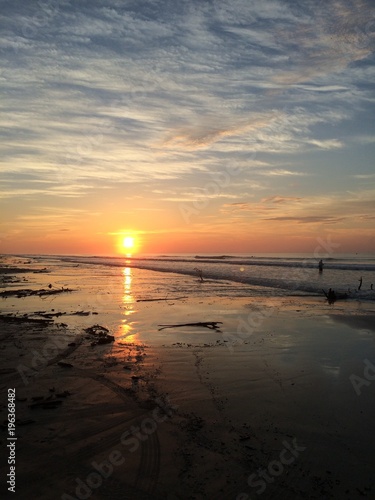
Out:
{"x": 212, "y": 325}
{"x": 101, "y": 333}
{"x": 14, "y": 270}
{"x": 155, "y": 300}
{"x": 99, "y": 330}
{"x": 27, "y": 292}
{"x": 332, "y": 296}
{"x": 25, "y": 319}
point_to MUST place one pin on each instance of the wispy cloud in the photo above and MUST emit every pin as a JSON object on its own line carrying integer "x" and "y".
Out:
{"x": 364, "y": 176}
{"x": 207, "y": 131}
{"x": 336, "y": 35}
{"x": 281, "y": 199}
{"x": 280, "y": 172}
{"x": 359, "y": 207}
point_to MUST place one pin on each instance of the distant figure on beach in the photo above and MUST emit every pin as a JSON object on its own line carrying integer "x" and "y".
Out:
{"x": 331, "y": 296}
{"x": 371, "y": 287}
{"x": 360, "y": 283}
{"x": 199, "y": 273}
{"x": 320, "y": 266}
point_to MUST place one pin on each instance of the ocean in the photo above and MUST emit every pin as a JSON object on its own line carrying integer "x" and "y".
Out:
{"x": 259, "y": 275}
{"x": 115, "y": 287}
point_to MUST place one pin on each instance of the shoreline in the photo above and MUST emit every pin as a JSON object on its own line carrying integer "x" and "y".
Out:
{"x": 269, "y": 278}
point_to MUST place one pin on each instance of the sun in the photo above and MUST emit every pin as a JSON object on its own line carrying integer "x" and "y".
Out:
{"x": 128, "y": 243}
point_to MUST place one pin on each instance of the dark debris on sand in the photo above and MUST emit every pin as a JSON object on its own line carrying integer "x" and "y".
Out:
{"x": 10, "y": 318}
{"x": 27, "y": 292}
{"x": 101, "y": 335}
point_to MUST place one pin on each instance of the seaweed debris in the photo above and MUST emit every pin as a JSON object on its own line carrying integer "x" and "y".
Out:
{"x": 101, "y": 334}
{"x": 10, "y": 318}
{"x": 27, "y": 292}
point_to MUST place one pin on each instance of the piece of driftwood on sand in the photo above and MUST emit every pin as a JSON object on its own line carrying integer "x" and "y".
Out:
{"x": 27, "y": 292}
{"x": 156, "y": 300}
{"x": 14, "y": 270}
{"x": 10, "y": 318}
{"x": 212, "y": 325}
{"x": 332, "y": 296}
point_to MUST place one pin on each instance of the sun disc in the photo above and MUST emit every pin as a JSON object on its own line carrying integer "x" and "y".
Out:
{"x": 128, "y": 242}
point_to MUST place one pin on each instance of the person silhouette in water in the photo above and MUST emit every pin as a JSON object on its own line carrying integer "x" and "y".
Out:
{"x": 320, "y": 266}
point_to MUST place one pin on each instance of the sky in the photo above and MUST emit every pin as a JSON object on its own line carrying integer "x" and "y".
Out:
{"x": 190, "y": 125}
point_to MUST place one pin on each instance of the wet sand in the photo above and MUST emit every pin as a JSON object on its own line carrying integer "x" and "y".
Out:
{"x": 277, "y": 403}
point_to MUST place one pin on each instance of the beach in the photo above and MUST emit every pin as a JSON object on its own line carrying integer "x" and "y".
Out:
{"x": 143, "y": 384}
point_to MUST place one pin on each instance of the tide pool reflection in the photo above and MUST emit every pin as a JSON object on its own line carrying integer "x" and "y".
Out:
{"x": 126, "y": 332}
